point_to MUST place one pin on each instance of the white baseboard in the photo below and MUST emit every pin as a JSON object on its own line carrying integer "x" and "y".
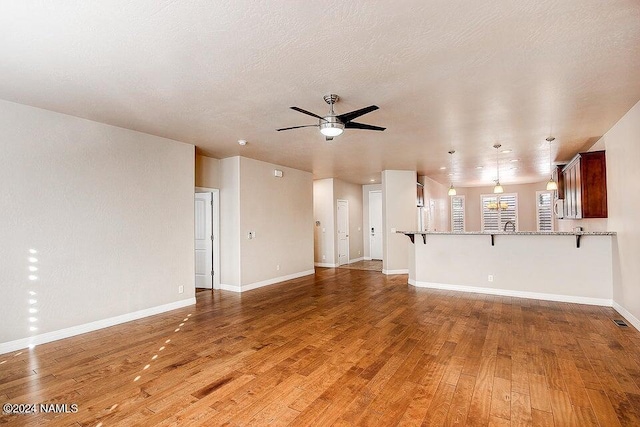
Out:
{"x": 10, "y": 346}
{"x": 275, "y": 280}
{"x": 231, "y": 288}
{"x": 510, "y": 293}
{"x": 368, "y": 258}
{"x": 627, "y": 315}
{"x": 351, "y": 261}
{"x": 325, "y": 264}
{"x": 267, "y": 282}
{"x": 403, "y": 271}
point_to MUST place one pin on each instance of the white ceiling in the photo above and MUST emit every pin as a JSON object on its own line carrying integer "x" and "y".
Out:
{"x": 445, "y": 74}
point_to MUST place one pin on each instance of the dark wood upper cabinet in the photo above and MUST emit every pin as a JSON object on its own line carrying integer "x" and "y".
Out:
{"x": 559, "y": 178}
{"x": 585, "y": 186}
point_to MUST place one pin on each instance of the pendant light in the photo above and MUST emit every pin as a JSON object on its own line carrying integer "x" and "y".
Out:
{"x": 498, "y": 188}
{"x": 551, "y": 185}
{"x": 452, "y": 190}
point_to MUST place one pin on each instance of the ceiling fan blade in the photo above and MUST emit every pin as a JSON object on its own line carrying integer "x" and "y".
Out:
{"x": 308, "y": 113}
{"x": 354, "y": 125}
{"x": 297, "y": 127}
{"x": 347, "y": 117}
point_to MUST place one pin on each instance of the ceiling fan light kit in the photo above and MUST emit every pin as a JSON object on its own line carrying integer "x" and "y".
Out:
{"x": 333, "y": 124}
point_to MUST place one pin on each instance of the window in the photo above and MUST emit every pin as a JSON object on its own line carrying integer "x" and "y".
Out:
{"x": 457, "y": 214}
{"x": 544, "y": 210}
{"x": 497, "y": 210}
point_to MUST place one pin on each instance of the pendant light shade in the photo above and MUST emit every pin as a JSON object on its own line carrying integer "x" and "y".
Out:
{"x": 551, "y": 185}
{"x": 498, "y": 188}
{"x": 452, "y": 190}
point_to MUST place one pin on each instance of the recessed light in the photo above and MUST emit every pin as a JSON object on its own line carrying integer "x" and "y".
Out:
{"x": 372, "y": 180}
{"x": 242, "y": 141}
{"x": 506, "y": 151}
{"x": 442, "y": 168}
{"x": 514, "y": 160}
{"x": 478, "y": 167}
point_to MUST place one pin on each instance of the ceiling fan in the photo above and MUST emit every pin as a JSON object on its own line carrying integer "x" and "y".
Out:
{"x": 334, "y": 124}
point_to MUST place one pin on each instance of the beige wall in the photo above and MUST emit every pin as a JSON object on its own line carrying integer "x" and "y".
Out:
{"x": 622, "y": 144}
{"x": 280, "y": 212}
{"x": 324, "y": 246}
{"x": 326, "y": 193}
{"x": 436, "y": 200}
{"x": 109, "y": 212}
{"x": 399, "y": 212}
{"x": 365, "y": 217}
{"x": 526, "y": 204}
{"x": 352, "y": 193}
{"x": 230, "y": 223}
{"x": 207, "y": 172}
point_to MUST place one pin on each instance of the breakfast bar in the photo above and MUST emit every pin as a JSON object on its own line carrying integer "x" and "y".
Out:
{"x": 558, "y": 266}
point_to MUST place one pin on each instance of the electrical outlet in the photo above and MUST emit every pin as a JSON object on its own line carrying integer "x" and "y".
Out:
{"x": 490, "y": 278}
{"x": 180, "y": 289}
{"x": 324, "y": 257}
{"x": 278, "y": 267}
{"x": 358, "y": 252}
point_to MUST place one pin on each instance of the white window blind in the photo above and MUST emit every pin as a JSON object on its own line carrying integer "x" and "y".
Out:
{"x": 497, "y": 210}
{"x": 457, "y": 214}
{"x": 544, "y": 210}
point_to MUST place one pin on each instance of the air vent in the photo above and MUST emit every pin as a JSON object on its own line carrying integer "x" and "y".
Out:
{"x": 620, "y": 323}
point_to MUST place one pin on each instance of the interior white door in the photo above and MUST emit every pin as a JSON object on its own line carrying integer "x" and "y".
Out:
{"x": 343, "y": 232}
{"x": 375, "y": 224}
{"x": 204, "y": 241}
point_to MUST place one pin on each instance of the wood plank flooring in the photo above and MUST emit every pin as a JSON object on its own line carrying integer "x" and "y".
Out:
{"x": 343, "y": 348}
{"x": 370, "y": 265}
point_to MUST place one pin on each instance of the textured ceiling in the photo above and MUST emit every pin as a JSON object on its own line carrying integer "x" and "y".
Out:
{"x": 445, "y": 74}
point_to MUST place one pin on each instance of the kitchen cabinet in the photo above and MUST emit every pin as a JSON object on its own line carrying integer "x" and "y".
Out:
{"x": 420, "y": 195}
{"x": 585, "y": 186}
{"x": 558, "y": 177}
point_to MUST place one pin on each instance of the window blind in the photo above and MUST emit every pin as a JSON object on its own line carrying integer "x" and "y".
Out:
{"x": 457, "y": 214}
{"x": 497, "y": 210}
{"x": 544, "y": 210}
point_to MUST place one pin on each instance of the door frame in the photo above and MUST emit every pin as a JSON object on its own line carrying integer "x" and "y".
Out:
{"x": 369, "y": 223}
{"x": 347, "y": 232}
{"x": 215, "y": 229}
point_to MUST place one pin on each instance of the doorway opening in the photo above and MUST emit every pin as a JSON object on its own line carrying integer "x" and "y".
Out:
{"x": 375, "y": 225}
{"x": 207, "y": 238}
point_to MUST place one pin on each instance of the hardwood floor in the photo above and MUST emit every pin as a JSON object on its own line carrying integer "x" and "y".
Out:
{"x": 343, "y": 347}
{"x": 370, "y": 265}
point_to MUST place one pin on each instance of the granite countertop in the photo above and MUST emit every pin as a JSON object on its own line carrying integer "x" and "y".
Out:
{"x": 518, "y": 233}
